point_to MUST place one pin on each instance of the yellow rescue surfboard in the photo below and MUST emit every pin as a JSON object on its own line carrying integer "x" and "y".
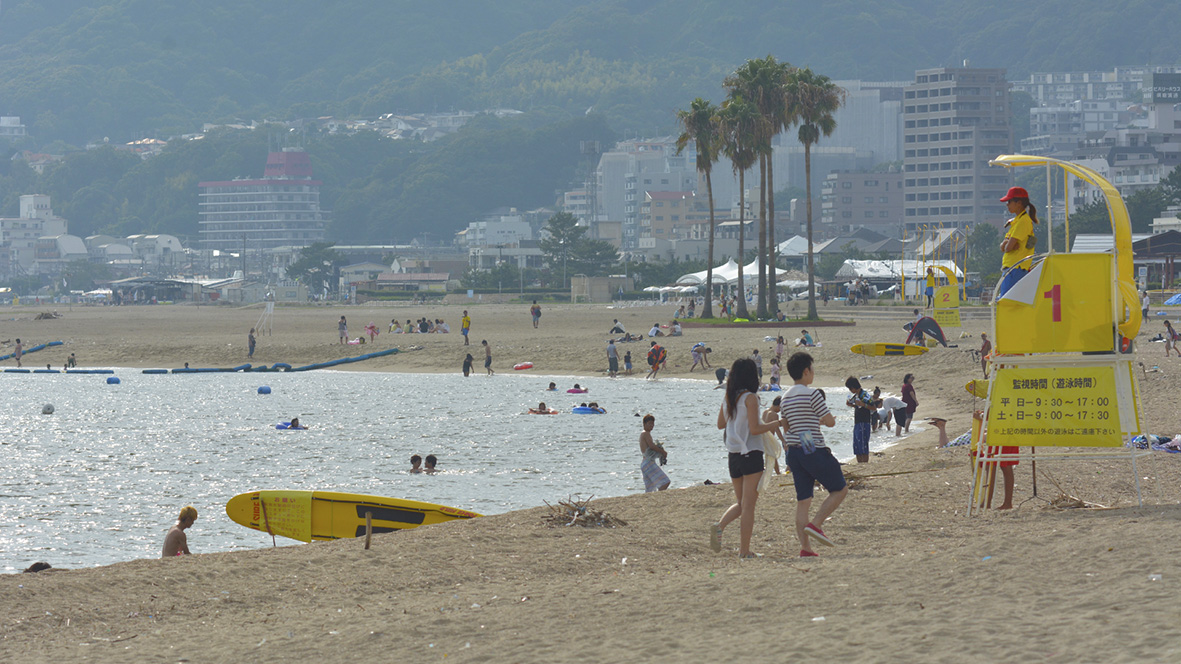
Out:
{"x": 880, "y": 349}
{"x": 328, "y": 515}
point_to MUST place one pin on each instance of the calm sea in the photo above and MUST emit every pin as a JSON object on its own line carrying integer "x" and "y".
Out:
{"x": 102, "y": 479}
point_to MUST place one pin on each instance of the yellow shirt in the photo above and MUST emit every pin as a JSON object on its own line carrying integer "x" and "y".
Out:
{"x": 466, "y": 322}
{"x": 931, "y": 280}
{"x": 1020, "y": 229}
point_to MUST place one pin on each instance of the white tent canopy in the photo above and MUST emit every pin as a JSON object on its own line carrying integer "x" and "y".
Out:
{"x": 912, "y": 269}
{"x": 728, "y": 274}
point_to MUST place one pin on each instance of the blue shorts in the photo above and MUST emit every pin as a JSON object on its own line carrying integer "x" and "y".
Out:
{"x": 930, "y": 292}
{"x": 464, "y": 331}
{"x": 819, "y": 466}
{"x": 1012, "y": 276}
{"x": 861, "y": 437}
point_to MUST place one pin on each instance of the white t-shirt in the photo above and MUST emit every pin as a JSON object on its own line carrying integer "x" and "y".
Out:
{"x": 654, "y": 331}
{"x": 738, "y": 438}
{"x": 893, "y": 403}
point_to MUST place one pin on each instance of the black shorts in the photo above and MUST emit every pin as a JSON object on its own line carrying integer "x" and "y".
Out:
{"x": 900, "y": 417}
{"x": 742, "y": 465}
{"x": 487, "y": 362}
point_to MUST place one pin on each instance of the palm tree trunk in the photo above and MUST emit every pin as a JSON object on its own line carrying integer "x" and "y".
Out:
{"x": 708, "y": 310}
{"x": 762, "y": 252}
{"x": 741, "y": 311}
{"x": 811, "y": 259}
{"x": 773, "y": 277}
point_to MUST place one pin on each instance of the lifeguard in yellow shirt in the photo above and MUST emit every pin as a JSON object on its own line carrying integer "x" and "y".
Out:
{"x": 1019, "y": 242}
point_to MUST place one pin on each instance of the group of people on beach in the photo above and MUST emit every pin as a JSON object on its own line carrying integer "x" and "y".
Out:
{"x": 421, "y": 326}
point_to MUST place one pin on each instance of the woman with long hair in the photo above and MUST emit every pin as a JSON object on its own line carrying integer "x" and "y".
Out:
{"x": 739, "y": 418}
{"x": 1019, "y": 241}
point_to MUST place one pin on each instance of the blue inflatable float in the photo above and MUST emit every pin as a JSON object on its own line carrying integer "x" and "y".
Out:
{"x": 265, "y": 389}
{"x": 587, "y": 410}
{"x": 112, "y": 380}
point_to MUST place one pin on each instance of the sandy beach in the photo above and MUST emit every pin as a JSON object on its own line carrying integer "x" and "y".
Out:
{"x": 913, "y": 578}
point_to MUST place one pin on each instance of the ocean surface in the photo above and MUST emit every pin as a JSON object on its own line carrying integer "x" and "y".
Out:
{"x": 102, "y": 479}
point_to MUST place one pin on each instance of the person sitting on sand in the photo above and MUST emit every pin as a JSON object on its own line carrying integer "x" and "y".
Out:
{"x": 655, "y": 331}
{"x": 616, "y": 327}
{"x": 295, "y": 424}
{"x": 430, "y": 469}
{"x": 676, "y": 329}
{"x": 176, "y": 543}
{"x": 652, "y": 452}
{"x": 805, "y": 340}
{"x": 395, "y": 327}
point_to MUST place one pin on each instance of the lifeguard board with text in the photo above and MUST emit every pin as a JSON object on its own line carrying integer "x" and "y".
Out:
{"x": 1064, "y": 305}
{"x": 329, "y": 515}
{"x": 947, "y": 306}
{"x": 1063, "y": 406}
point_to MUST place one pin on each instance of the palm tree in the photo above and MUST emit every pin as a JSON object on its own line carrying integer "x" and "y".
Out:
{"x": 762, "y": 81}
{"x": 813, "y": 98}
{"x": 739, "y": 120}
{"x": 701, "y": 127}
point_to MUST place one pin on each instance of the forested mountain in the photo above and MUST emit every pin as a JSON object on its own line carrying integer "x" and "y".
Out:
{"x": 79, "y": 70}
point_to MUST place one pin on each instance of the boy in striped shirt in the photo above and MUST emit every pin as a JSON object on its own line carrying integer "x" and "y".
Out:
{"x": 808, "y": 458}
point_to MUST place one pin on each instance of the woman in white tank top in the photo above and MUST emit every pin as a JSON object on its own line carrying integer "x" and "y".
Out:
{"x": 739, "y": 418}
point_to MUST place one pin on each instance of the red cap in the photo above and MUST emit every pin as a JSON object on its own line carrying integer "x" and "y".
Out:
{"x": 1015, "y": 192}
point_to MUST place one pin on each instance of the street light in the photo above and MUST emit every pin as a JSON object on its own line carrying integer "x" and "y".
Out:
{"x": 562, "y": 243}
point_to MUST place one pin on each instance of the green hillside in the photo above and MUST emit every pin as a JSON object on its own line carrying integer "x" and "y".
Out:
{"x": 77, "y": 70}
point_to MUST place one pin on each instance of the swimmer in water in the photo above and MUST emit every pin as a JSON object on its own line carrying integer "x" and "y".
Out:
{"x": 175, "y": 542}
{"x": 541, "y": 409}
{"x": 553, "y": 387}
{"x": 416, "y": 464}
{"x": 295, "y": 424}
{"x": 430, "y": 465}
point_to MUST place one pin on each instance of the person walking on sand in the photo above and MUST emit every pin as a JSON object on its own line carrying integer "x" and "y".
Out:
{"x": 17, "y": 352}
{"x": 176, "y": 543}
{"x": 1170, "y": 340}
{"x": 803, "y": 412}
{"x": 535, "y": 311}
{"x": 465, "y": 324}
{"x": 612, "y": 359}
{"x": 343, "y": 328}
{"x": 654, "y": 456}
{"x": 488, "y": 358}
{"x": 739, "y": 418}
{"x": 250, "y": 342}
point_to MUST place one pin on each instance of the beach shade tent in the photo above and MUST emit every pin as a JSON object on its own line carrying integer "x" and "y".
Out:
{"x": 652, "y": 289}
{"x": 926, "y": 325}
{"x": 1173, "y": 301}
{"x": 729, "y": 269}
{"x": 910, "y": 272}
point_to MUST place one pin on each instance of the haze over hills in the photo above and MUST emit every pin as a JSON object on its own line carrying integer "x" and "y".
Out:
{"x": 78, "y": 70}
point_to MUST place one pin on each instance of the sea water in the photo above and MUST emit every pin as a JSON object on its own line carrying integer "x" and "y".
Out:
{"x": 102, "y": 479}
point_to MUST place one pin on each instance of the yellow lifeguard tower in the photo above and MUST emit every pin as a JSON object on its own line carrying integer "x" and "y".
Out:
{"x": 1061, "y": 376}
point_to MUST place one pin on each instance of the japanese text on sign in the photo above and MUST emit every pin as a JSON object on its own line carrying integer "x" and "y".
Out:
{"x": 1061, "y": 406}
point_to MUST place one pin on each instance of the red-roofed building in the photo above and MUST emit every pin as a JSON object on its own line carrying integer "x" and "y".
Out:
{"x": 280, "y": 210}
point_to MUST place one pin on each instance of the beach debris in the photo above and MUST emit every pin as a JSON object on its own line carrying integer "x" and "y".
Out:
{"x": 1155, "y": 577}
{"x": 45, "y": 315}
{"x": 1065, "y": 501}
{"x": 47, "y": 409}
{"x": 572, "y": 512}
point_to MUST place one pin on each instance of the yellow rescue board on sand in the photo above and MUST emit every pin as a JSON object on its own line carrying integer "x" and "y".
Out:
{"x": 328, "y": 515}
{"x": 977, "y": 388}
{"x": 880, "y": 349}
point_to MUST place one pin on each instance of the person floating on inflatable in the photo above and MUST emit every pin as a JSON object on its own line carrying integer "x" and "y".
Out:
{"x": 577, "y": 389}
{"x": 1019, "y": 241}
{"x": 542, "y": 409}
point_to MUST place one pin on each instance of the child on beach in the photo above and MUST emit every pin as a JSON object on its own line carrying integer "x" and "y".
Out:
{"x": 250, "y": 342}
{"x": 739, "y": 418}
{"x": 779, "y": 347}
{"x": 342, "y": 328}
{"x": 465, "y": 324}
{"x": 803, "y": 411}
{"x": 909, "y": 398}
{"x": 176, "y": 543}
{"x": 627, "y": 363}
{"x": 772, "y": 441}
{"x": 862, "y": 407}
{"x": 653, "y": 453}
{"x": 1170, "y": 340}
{"x": 467, "y": 365}
{"x": 775, "y": 375}
{"x": 488, "y": 357}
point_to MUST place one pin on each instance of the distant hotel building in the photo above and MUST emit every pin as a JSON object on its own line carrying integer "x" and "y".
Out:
{"x": 852, "y": 200}
{"x": 280, "y": 210}
{"x": 954, "y": 122}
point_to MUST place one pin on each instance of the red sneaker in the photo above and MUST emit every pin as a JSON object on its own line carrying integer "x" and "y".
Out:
{"x": 813, "y": 531}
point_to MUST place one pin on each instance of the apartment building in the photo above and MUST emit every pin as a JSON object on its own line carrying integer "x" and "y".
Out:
{"x": 954, "y": 121}
{"x": 853, "y": 200}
